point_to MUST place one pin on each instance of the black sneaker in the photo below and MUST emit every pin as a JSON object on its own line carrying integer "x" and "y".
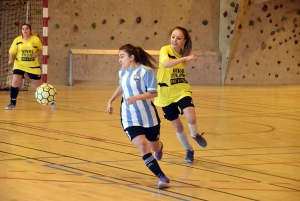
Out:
{"x": 189, "y": 156}
{"x": 11, "y": 106}
{"x": 200, "y": 140}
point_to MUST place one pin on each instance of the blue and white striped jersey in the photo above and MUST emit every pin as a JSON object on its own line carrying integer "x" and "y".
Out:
{"x": 133, "y": 82}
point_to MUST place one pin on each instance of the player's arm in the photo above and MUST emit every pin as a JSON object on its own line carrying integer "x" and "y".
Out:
{"x": 117, "y": 93}
{"x": 12, "y": 51}
{"x": 40, "y": 49}
{"x": 11, "y": 58}
{"x": 174, "y": 62}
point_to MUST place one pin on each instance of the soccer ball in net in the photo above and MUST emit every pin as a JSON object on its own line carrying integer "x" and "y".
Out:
{"x": 45, "y": 94}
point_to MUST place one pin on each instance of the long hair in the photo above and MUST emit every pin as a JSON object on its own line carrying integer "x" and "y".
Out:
{"x": 187, "y": 47}
{"x": 140, "y": 55}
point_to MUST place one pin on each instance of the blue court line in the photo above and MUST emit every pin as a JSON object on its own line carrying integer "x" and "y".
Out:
{"x": 128, "y": 185}
{"x": 250, "y": 154}
{"x": 50, "y": 166}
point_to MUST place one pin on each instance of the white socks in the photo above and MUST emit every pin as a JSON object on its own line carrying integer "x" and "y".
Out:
{"x": 193, "y": 129}
{"x": 184, "y": 141}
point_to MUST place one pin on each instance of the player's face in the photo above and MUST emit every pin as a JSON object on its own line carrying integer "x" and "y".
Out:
{"x": 125, "y": 60}
{"x": 26, "y": 30}
{"x": 177, "y": 40}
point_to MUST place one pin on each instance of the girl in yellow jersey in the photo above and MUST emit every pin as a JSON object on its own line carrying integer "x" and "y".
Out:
{"x": 174, "y": 90}
{"x": 24, "y": 53}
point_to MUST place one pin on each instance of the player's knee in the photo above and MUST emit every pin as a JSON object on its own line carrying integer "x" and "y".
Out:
{"x": 143, "y": 147}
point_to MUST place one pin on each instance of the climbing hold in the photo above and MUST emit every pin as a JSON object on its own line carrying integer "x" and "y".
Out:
{"x": 84, "y": 45}
{"x": 155, "y": 21}
{"x": 285, "y": 40}
{"x": 263, "y": 45}
{"x": 155, "y": 33}
{"x": 247, "y": 46}
{"x": 104, "y": 21}
{"x": 94, "y": 25}
{"x": 253, "y": 75}
{"x": 146, "y": 38}
{"x": 294, "y": 31}
{"x": 75, "y": 27}
{"x": 265, "y": 8}
{"x": 240, "y": 26}
{"x": 225, "y": 14}
{"x": 280, "y": 43}
{"x": 276, "y": 7}
{"x": 228, "y": 36}
{"x": 276, "y": 25}
{"x": 138, "y": 20}
{"x": 76, "y": 14}
{"x": 228, "y": 27}
{"x": 294, "y": 20}
{"x": 269, "y": 15}
{"x": 299, "y": 64}
{"x": 257, "y": 63}
{"x": 288, "y": 69}
{"x": 259, "y": 20}
{"x": 231, "y": 32}
{"x": 56, "y": 25}
{"x": 251, "y": 23}
{"x": 272, "y": 33}
{"x": 237, "y": 61}
{"x": 189, "y": 30}
{"x": 279, "y": 62}
{"x": 236, "y": 8}
{"x": 283, "y": 19}
{"x": 261, "y": 31}
{"x": 270, "y": 47}
{"x": 231, "y": 78}
{"x": 193, "y": 66}
{"x": 276, "y": 75}
{"x": 274, "y": 39}
{"x": 282, "y": 29}
{"x": 122, "y": 21}
{"x": 296, "y": 42}
{"x": 298, "y": 12}
{"x": 66, "y": 45}
{"x": 232, "y": 22}
{"x": 281, "y": 5}
{"x": 196, "y": 38}
{"x": 112, "y": 38}
{"x": 232, "y": 4}
{"x": 277, "y": 30}
{"x": 205, "y": 22}
{"x": 244, "y": 76}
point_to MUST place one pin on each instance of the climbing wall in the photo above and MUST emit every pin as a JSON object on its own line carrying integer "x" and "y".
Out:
{"x": 265, "y": 48}
{"x": 108, "y": 24}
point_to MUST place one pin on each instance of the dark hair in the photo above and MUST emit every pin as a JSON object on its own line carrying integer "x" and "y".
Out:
{"x": 140, "y": 55}
{"x": 26, "y": 25}
{"x": 187, "y": 48}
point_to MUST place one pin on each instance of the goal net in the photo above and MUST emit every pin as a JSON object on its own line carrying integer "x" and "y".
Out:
{"x": 14, "y": 13}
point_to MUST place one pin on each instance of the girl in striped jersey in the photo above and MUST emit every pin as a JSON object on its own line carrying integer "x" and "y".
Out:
{"x": 139, "y": 117}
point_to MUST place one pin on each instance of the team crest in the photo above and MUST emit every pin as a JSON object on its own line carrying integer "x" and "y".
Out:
{"x": 136, "y": 77}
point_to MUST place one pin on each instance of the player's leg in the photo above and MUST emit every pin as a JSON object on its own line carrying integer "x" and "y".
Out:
{"x": 188, "y": 108}
{"x": 171, "y": 113}
{"x": 137, "y": 136}
{"x": 152, "y": 134}
{"x": 16, "y": 81}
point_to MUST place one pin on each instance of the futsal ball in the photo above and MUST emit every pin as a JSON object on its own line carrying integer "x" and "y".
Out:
{"x": 45, "y": 94}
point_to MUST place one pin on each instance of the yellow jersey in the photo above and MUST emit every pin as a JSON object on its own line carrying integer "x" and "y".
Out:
{"x": 23, "y": 51}
{"x": 172, "y": 85}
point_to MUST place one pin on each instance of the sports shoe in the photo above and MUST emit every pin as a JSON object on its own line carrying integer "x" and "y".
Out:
{"x": 200, "y": 140}
{"x": 11, "y": 106}
{"x": 53, "y": 105}
{"x": 163, "y": 183}
{"x": 158, "y": 155}
{"x": 189, "y": 156}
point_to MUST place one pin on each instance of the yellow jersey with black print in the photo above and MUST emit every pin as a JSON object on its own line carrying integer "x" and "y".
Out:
{"x": 172, "y": 85}
{"x": 23, "y": 51}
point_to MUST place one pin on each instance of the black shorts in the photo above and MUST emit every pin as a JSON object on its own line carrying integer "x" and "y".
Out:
{"x": 151, "y": 133}
{"x": 30, "y": 75}
{"x": 171, "y": 112}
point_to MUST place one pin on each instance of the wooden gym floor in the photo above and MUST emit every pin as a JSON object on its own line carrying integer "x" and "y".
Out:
{"x": 78, "y": 152}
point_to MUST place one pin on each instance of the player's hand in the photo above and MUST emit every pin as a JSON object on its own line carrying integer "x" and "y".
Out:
{"x": 109, "y": 108}
{"x": 35, "y": 55}
{"x": 131, "y": 100}
{"x": 10, "y": 61}
{"x": 191, "y": 58}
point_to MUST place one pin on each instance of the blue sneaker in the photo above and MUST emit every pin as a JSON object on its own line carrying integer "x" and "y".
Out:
{"x": 158, "y": 155}
{"x": 189, "y": 156}
{"x": 163, "y": 183}
{"x": 200, "y": 140}
{"x": 53, "y": 105}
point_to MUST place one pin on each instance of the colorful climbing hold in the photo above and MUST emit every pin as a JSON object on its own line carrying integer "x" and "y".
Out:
{"x": 56, "y": 25}
{"x": 270, "y": 21}
{"x": 276, "y": 75}
{"x": 146, "y": 38}
{"x": 93, "y": 25}
{"x": 205, "y": 22}
{"x": 122, "y": 21}
{"x": 269, "y": 15}
{"x": 274, "y": 39}
{"x": 277, "y": 30}
{"x": 257, "y": 63}
{"x": 228, "y": 27}
{"x": 259, "y": 20}
{"x": 272, "y": 33}
{"x": 232, "y": 22}
{"x": 155, "y": 21}
{"x": 265, "y": 8}
{"x": 155, "y": 33}
{"x": 261, "y": 31}
{"x": 104, "y": 21}
{"x": 138, "y": 20}
{"x": 232, "y": 4}
{"x": 283, "y": 19}
{"x": 75, "y": 28}
{"x": 225, "y": 14}
{"x": 189, "y": 30}
{"x": 263, "y": 45}
{"x": 251, "y": 23}
{"x": 240, "y": 26}
{"x": 76, "y": 14}
{"x": 296, "y": 42}
{"x": 112, "y": 38}
{"x": 236, "y": 8}
{"x": 279, "y": 62}
{"x": 270, "y": 47}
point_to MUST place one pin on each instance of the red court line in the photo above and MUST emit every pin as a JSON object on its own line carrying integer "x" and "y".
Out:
{"x": 275, "y": 163}
{"x": 18, "y": 171}
{"x": 218, "y": 181}
{"x": 45, "y": 172}
{"x": 173, "y": 186}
